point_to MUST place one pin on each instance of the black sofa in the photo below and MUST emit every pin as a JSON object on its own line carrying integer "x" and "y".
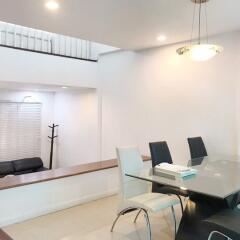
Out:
{"x": 21, "y": 166}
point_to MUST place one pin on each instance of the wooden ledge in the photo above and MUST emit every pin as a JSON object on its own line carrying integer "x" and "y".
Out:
{"x": 4, "y": 236}
{"x": 31, "y": 178}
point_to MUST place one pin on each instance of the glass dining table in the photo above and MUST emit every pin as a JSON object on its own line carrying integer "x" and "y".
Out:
{"x": 215, "y": 187}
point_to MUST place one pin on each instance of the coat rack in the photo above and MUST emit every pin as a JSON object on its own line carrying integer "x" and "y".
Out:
{"x": 52, "y": 144}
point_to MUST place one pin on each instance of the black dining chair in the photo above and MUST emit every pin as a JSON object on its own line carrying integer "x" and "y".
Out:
{"x": 197, "y": 147}
{"x": 223, "y": 225}
{"x": 160, "y": 153}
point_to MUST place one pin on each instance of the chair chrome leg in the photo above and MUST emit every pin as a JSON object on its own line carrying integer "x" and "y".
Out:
{"x": 181, "y": 203}
{"x": 118, "y": 216}
{"x": 135, "y": 220}
{"x": 115, "y": 221}
{"x": 127, "y": 210}
{"x": 219, "y": 233}
{"x": 148, "y": 224}
{"x": 175, "y": 222}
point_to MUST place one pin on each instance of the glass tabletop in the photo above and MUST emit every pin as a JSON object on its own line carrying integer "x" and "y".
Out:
{"x": 217, "y": 176}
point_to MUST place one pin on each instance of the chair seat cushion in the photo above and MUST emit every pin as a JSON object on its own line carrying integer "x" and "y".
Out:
{"x": 153, "y": 202}
{"x": 27, "y": 164}
{"x": 226, "y": 222}
{"x": 6, "y": 168}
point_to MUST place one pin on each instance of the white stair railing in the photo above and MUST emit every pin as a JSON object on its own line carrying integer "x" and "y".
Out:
{"x": 36, "y": 40}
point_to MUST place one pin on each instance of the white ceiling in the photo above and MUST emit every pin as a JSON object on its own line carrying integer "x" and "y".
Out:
{"x": 128, "y": 24}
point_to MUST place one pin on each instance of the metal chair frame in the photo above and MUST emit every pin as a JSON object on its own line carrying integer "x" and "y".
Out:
{"x": 213, "y": 233}
{"x": 146, "y": 216}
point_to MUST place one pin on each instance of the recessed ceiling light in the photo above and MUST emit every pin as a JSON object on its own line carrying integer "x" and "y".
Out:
{"x": 64, "y": 87}
{"x": 52, "y": 5}
{"x": 161, "y": 38}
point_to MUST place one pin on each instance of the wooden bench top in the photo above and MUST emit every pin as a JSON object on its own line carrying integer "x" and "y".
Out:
{"x": 31, "y": 178}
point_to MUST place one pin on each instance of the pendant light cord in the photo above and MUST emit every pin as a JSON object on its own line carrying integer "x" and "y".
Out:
{"x": 193, "y": 21}
{"x": 206, "y": 20}
{"x": 199, "y": 23}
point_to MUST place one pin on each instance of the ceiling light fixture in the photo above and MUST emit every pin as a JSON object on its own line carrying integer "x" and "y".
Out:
{"x": 161, "y": 38}
{"x": 200, "y": 51}
{"x": 52, "y": 5}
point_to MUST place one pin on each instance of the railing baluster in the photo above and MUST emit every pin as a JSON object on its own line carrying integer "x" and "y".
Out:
{"x": 6, "y": 29}
{"x": 21, "y": 36}
{"x": 56, "y": 42}
{"x": 0, "y": 36}
{"x": 89, "y": 49}
{"x": 14, "y": 36}
{"x": 66, "y": 46}
{"x": 86, "y": 48}
{"x": 60, "y": 44}
{"x": 77, "y": 49}
{"x": 41, "y": 40}
{"x": 81, "y": 55}
{"x": 70, "y": 47}
{"x": 34, "y": 40}
{"x": 1, "y": 32}
{"x": 28, "y": 39}
{"x": 49, "y": 46}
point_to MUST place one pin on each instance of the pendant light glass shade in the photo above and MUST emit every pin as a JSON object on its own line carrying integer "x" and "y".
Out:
{"x": 200, "y": 52}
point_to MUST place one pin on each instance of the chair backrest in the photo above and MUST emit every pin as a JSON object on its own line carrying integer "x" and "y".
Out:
{"x": 130, "y": 160}
{"x": 197, "y": 147}
{"x": 160, "y": 153}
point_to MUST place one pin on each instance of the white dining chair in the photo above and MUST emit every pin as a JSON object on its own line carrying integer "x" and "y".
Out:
{"x": 135, "y": 194}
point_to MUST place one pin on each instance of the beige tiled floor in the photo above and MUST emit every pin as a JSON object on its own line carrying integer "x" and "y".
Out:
{"x": 92, "y": 221}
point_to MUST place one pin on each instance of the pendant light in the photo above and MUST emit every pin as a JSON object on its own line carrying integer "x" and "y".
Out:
{"x": 200, "y": 51}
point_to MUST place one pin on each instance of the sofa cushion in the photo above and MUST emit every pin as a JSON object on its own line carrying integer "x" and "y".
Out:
{"x": 6, "y": 168}
{"x": 42, "y": 169}
{"x": 27, "y": 164}
{"x": 23, "y": 172}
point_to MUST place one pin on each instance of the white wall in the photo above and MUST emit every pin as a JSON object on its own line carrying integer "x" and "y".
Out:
{"x": 237, "y": 93}
{"x": 147, "y": 96}
{"x": 47, "y": 100}
{"x": 77, "y": 114}
{"x": 155, "y": 95}
{"x": 98, "y": 48}
{"x": 22, "y": 203}
{"x": 29, "y": 67}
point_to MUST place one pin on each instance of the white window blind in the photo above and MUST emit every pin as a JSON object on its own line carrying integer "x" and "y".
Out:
{"x": 20, "y": 130}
